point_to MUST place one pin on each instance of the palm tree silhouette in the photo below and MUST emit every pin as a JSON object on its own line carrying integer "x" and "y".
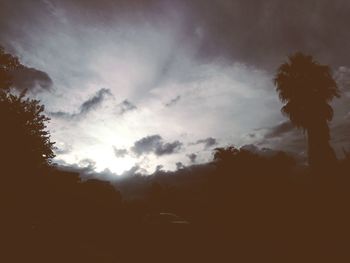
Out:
{"x": 306, "y": 88}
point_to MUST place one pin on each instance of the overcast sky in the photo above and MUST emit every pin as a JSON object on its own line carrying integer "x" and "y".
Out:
{"x": 143, "y": 85}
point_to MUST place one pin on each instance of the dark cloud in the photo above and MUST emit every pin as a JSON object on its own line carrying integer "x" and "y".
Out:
{"x": 264, "y": 151}
{"x": 132, "y": 171}
{"x": 342, "y": 77}
{"x": 282, "y": 137}
{"x": 159, "y": 167}
{"x": 268, "y": 152}
{"x": 91, "y": 104}
{"x": 155, "y": 144}
{"x": 262, "y": 32}
{"x": 62, "y": 151}
{"x": 192, "y": 157}
{"x": 88, "y": 163}
{"x": 173, "y": 101}
{"x": 252, "y": 135}
{"x": 146, "y": 144}
{"x": 62, "y": 114}
{"x": 347, "y": 116}
{"x": 341, "y": 136}
{"x": 120, "y": 153}
{"x": 86, "y": 170}
{"x": 251, "y": 148}
{"x": 95, "y": 101}
{"x": 286, "y": 137}
{"x": 126, "y": 106}
{"x": 31, "y": 79}
{"x": 168, "y": 148}
{"x": 208, "y": 142}
{"x": 179, "y": 166}
{"x": 279, "y": 130}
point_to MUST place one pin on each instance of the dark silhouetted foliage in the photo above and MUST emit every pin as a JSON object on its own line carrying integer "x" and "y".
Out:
{"x": 306, "y": 87}
{"x": 8, "y": 63}
{"x": 24, "y": 137}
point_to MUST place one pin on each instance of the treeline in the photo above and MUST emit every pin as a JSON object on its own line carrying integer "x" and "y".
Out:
{"x": 240, "y": 195}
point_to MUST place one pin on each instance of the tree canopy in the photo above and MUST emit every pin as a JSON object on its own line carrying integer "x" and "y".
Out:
{"x": 306, "y": 88}
{"x": 24, "y": 138}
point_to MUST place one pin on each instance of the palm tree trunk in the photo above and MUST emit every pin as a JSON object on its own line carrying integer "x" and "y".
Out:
{"x": 320, "y": 152}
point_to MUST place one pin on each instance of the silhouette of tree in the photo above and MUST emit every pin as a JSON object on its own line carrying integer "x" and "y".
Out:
{"x": 25, "y": 142}
{"x": 307, "y": 87}
{"x": 8, "y": 63}
{"x": 225, "y": 154}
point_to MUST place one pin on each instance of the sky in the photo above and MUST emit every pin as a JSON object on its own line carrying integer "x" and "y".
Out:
{"x": 142, "y": 86}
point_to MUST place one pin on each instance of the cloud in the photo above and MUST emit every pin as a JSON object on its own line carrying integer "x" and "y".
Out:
{"x": 91, "y": 104}
{"x": 62, "y": 114}
{"x": 281, "y": 137}
{"x": 257, "y": 32}
{"x": 251, "y": 148}
{"x": 95, "y": 101}
{"x": 264, "y": 151}
{"x": 263, "y": 32}
{"x": 86, "y": 170}
{"x": 155, "y": 144}
{"x": 168, "y": 148}
{"x": 173, "y": 101}
{"x": 126, "y": 106}
{"x": 279, "y": 130}
{"x": 286, "y": 137}
{"x": 31, "y": 79}
{"x": 159, "y": 168}
{"x": 208, "y": 142}
{"x": 252, "y": 135}
{"x": 192, "y": 157}
{"x": 341, "y": 136}
{"x": 87, "y": 163}
{"x": 146, "y": 144}
{"x": 268, "y": 152}
{"x": 132, "y": 171}
{"x": 342, "y": 77}
{"x": 347, "y": 116}
{"x": 120, "y": 153}
{"x": 179, "y": 166}
{"x": 62, "y": 149}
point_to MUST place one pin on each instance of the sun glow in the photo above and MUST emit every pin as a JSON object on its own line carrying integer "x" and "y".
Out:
{"x": 99, "y": 158}
{"x": 115, "y": 165}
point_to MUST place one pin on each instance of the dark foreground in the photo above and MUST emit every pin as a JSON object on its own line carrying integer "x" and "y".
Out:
{"x": 284, "y": 215}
